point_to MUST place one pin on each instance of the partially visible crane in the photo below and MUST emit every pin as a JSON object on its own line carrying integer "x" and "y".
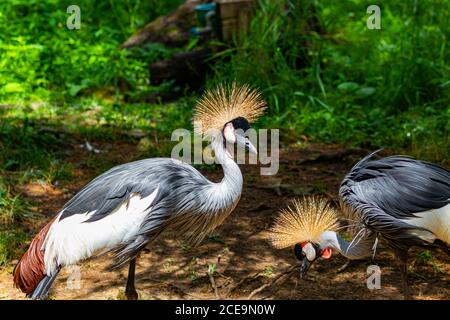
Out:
{"x": 127, "y": 207}
{"x": 405, "y": 201}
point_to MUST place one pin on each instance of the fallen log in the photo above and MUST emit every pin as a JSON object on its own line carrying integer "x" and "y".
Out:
{"x": 172, "y": 29}
{"x": 186, "y": 68}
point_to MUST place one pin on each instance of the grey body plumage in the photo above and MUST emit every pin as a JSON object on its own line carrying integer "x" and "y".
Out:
{"x": 127, "y": 207}
{"x": 404, "y": 200}
{"x": 181, "y": 200}
{"x": 384, "y": 194}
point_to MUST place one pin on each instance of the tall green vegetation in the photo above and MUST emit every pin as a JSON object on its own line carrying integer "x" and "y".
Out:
{"x": 342, "y": 82}
{"x": 42, "y": 59}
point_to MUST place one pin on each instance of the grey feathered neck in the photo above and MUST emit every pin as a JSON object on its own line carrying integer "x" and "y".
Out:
{"x": 225, "y": 194}
{"x": 362, "y": 245}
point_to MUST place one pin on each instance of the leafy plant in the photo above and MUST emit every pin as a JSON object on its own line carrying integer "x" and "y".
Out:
{"x": 424, "y": 257}
{"x": 268, "y": 271}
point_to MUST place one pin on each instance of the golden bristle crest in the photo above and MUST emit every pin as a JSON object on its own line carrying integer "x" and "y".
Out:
{"x": 303, "y": 220}
{"x": 225, "y": 103}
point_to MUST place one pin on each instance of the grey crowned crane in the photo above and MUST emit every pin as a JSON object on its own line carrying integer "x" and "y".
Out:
{"x": 406, "y": 201}
{"x": 127, "y": 207}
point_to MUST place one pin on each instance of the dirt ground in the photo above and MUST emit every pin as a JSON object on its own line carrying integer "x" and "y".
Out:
{"x": 171, "y": 269}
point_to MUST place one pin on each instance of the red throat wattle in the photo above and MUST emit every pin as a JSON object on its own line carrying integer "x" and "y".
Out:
{"x": 326, "y": 253}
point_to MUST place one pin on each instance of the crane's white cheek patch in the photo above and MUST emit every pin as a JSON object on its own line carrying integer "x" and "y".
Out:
{"x": 309, "y": 251}
{"x": 229, "y": 134}
{"x": 72, "y": 239}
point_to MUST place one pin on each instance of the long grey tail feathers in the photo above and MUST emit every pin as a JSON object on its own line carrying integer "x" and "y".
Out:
{"x": 42, "y": 289}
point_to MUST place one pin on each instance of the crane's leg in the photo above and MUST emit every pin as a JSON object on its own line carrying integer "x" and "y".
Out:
{"x": 402, "y": 261}
{"x": 130, "y": 290}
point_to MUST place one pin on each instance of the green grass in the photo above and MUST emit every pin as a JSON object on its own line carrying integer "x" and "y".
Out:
{"x": 268, "y": 271}
{"x": 10, "y": 241}
{"x": 348, "y": 84}
{"x": 12, "y": 207}
{"x": 43, "y": 60}
{"x": 423, "y": 258}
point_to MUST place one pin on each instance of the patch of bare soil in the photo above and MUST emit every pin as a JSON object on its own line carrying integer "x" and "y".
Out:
{"x": 170, "y": 269}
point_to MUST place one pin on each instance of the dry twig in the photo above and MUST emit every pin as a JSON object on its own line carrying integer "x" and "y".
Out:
{"x": 213, "y": 284}
{"x": 288, "y": 273}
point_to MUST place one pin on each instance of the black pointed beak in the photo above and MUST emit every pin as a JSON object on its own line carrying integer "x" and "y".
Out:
{"x": 244, "y": 141}
{"x": 304, "y": 268}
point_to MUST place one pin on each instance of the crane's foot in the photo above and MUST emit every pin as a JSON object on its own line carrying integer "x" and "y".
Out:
{"x": 130, "y": 290}
{"x": 406, "y": 292}
{"x": 131, "y": 294}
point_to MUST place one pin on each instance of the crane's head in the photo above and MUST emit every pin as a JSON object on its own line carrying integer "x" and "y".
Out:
{"x": 308, "y": 252}
{"x": 301, "y": 226}
{"x": 227, "y": 111}
{"x": 234, "y": 132}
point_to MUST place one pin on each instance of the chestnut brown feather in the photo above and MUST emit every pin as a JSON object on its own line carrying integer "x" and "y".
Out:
{"x": 30, "y": 270}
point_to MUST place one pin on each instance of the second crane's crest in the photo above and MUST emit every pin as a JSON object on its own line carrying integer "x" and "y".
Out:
{"x": 303, "y": 221}
{"x": 225, "y": 103}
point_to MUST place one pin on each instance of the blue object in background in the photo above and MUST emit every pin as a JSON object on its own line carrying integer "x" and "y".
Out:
{"x": 202, "y": 12}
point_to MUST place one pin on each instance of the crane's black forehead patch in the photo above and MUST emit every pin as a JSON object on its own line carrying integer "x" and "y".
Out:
{"x": 240, "y": 123}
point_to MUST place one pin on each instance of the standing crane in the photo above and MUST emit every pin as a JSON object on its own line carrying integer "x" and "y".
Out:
{"x": 404, "y": 200}
{"x": 127, "y": 207}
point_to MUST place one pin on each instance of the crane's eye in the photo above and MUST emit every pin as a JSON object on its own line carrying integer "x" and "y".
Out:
{"x": 298, "y": 251}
